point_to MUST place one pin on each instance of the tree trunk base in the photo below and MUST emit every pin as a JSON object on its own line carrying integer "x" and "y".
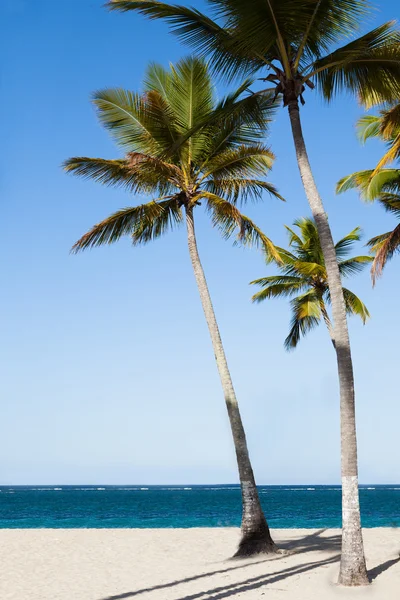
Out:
{"x": 253, "y": 544}
{"x": 353, "y": 577}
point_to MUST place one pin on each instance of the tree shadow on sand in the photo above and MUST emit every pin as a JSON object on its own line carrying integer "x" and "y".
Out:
{"x": 309, "y": 543}
{"x": 314, "y": 542}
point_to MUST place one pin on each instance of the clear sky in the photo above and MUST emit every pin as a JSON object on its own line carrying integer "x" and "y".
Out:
{"x": 107, "y": 372}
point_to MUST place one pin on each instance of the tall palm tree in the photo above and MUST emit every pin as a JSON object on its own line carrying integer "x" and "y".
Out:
{"x": 298, "y": 43}
{"x": 304, "y": 279}
{"x": 381, "y": 184}
{"x": 222, "y": 165}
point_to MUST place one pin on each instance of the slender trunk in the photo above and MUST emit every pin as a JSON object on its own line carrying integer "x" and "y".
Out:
{"x": 327, "y": 320}
{"x": 352, "y": 566}
{"x": 256, "y": 537}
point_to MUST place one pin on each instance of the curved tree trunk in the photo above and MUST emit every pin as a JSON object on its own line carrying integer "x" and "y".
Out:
{"x": 327, "y": 320}
{"x": 352, "y": 566}
{"x": 256, "y": 537}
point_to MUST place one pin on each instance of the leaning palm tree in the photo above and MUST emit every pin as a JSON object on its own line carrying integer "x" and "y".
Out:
{"x": 381, "y": 184}
{"x": 298, "y": 43}
{"x": 220, "y": 166}
{"x": 303, "y": 278}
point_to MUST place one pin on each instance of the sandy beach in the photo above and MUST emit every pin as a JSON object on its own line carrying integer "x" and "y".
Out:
{"x": 185, "y": 564}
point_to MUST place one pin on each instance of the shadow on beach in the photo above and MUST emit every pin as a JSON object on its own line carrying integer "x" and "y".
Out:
{"x": 307, "y": 544}
{"x": 314, "y": 542}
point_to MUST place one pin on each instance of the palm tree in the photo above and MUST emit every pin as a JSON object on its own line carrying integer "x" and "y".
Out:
{"x": 221, "y": 166}
{"x": 303, "y": 278}
{"x": 381, "y": 184}
{"x": 298, "y": 44}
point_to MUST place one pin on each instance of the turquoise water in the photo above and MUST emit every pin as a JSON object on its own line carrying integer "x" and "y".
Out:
{"x": 307, "y": 506}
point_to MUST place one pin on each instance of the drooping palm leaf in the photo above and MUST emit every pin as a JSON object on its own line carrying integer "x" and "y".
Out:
{"x": 152, "y": 217}
{"x": 342, "y": 247}
{"x": 306, "y": 315}
{"x": 353, "y": 266}
{"x": 229, "y": 220}
{"x": 370, "y": 185}
{"x": 138, "y": 173}
{"x": 384, "y": 246}
{"x": 368, "y": 66}
{"x": 354, "y": 306}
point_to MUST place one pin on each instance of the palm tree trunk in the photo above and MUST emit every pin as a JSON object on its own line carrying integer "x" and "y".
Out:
{"x": 352, "y": 566}
{"x": 327, "y": 320}
{"x": 256, "y": 537}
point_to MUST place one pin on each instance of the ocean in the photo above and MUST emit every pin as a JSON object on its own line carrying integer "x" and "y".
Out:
{"x": 286, "y": 506}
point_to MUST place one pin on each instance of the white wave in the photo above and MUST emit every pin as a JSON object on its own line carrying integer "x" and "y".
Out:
{"x": 57, "y": 489}
{"x": 100, "y": 489}
{"x": 370, "y": 488}
{"x": 144, "y": 489}
{"x": 310, "y": 489}
{"x": 187, "y": 488}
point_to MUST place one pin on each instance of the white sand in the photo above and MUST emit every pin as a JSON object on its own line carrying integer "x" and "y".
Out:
{"x": 185, "y": 564}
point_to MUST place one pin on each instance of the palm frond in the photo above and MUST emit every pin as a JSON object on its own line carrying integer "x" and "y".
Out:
{"x": 368, "y": 66}
{"x": 125, "y": 114}
{"x": 306, "y": 315}
{"x": 370, "y": 185}
{"x": 310, "y": 269}
{"x": 235, "y": 121}
{"x": 241, "y": 189}
{"x": 344, "y": 245}
{"x": 278, "y": 286}
{"x": 150, "y": 227}
{"x": 244, "y": 161}
{"x": 131, "y": 221}
{"x": 198, "y": 31}
{"x": 390, "y": 155}
{"x": 354, "y": 306}
{"x": 384, "y": 246}
{"x": 353, "y": 266}
{"x": 192, "y": 99}
{"x": 368, "y": 126}
{"x": 138, "y": 173}
{"x": 390, "y": 202}
{"x": 229, "y": 220}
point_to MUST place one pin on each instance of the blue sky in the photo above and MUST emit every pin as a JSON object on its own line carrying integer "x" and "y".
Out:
{"x": 107, "y": 372}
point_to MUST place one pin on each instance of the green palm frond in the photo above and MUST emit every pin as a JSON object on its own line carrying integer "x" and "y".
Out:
{"x": 150, "y": 228}
{"x": 108, "y": 172}
{"x": 310, "y": 269}
{"x": 354, "y": 306}
{"x": 343, "y": 246}
{"x": 201, "y": 33}
{"x": 368, "y": 126}
{"x": 277, "y": 286}
{"x": 306, "y": 315}
{"x": 229, "y": 220}
{"x": 126, "y": 116}
{"x": 353, "y": 266}
{"x": 368, "y": 66}
{"x": 251, "y": 161}
{"x": 127, "y": 221}
{"x": 192, "y": 99}
{"x": 240, "y": 188}
{"x": 235, "y": 121}
{"x": 390, "y": 202}
{"x": 137, "y": 173}
{"x": 370, "y": 185}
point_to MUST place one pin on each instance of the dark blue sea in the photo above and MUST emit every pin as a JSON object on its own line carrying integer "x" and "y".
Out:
{"x": 286, "y": 506}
